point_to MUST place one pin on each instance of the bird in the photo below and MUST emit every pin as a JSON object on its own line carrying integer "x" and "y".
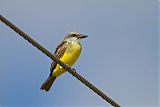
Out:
{"x": 68, "y": 51}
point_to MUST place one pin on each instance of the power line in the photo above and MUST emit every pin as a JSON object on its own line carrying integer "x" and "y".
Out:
{"x": 50, "y": 55}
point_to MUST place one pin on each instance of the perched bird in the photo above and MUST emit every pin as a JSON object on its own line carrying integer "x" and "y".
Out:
{"x": 68, "y": 51}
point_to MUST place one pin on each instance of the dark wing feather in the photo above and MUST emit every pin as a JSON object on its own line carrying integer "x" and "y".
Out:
{"x": 61, "y": 48}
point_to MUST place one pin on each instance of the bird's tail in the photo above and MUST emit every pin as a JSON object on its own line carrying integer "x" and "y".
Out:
{"x": 48, "y": 83}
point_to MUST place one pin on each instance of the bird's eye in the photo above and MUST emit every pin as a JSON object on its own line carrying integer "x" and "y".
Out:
{"x": 74, "y": 35}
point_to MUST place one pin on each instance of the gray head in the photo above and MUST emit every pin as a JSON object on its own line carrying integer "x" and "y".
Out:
{"x": 74, "y": 36}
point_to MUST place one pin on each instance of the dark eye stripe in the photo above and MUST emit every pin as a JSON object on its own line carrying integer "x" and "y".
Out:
{"x": 74, "y": 35}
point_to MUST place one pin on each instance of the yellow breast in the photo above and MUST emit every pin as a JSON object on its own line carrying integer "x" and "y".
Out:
{"x": 69, "y": 57}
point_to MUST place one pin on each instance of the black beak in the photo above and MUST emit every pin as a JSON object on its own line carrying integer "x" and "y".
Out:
{"x": 82, "y": 36}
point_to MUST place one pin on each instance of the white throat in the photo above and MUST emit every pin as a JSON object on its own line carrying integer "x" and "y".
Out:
{"x": 72, "y": 40}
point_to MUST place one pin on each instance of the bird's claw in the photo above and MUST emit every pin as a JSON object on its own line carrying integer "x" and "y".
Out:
{"x": 74, "y": 71}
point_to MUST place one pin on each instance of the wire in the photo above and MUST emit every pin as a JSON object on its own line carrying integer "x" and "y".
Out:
{"x": 50, "y": 55}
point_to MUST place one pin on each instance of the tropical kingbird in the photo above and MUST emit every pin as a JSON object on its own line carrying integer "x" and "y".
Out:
{"x": 68, "y": 52}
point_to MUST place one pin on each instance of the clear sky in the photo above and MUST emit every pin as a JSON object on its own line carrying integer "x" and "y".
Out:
{"x": 120, "y": 56}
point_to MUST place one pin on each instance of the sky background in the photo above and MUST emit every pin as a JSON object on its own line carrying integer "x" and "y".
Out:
{"x": 120, "y": 56}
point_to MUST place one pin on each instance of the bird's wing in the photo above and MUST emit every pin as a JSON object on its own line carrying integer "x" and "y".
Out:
{"x": 61, "y": 48}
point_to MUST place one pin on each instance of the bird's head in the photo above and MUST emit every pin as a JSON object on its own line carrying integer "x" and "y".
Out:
{"x": 74, "y": 36}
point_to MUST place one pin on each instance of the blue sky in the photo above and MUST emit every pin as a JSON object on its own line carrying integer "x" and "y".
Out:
{"x": 120, "y": 56}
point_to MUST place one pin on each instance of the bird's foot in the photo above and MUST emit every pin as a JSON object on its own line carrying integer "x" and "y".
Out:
{"x": 74, "y": 71}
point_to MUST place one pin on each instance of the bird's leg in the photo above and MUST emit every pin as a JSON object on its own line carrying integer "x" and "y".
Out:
{"x": 74, "y": 71}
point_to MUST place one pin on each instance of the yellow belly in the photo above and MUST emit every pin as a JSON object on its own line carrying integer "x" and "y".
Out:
{"x": 69, "y": 57}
